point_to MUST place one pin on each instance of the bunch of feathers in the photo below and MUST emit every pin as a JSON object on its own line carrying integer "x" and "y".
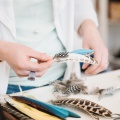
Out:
{"x": 24, "y": 108}
{"x": 75, "y": 86}
{"x": 71, "y": 86}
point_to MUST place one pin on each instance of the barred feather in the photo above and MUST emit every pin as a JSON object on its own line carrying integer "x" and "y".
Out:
{"x": 5, "y": 115}
{"x": 15, "y": 113}
{"x": 75, "y": 89}
{"x": 70, "y": 87}
{"x": 61, "y": 55}
{"x": 92, "y": 108}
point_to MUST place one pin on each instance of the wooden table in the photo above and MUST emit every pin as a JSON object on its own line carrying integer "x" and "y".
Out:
{"x": 102, "y": 80}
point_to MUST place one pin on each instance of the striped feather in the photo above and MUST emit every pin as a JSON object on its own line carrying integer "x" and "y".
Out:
{"x": 5, "y": 115}
{"x": 15, "y": 112}
{"x": 92, "y": 108}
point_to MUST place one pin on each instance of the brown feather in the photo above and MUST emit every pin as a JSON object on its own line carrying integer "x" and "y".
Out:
{"x": 14, "y": 112}
{"x": 5, "y": 115}
{"x": 92, "y": 108}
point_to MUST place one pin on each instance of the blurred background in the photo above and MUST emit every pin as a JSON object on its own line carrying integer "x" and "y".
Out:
{"x": 108, "y": 12}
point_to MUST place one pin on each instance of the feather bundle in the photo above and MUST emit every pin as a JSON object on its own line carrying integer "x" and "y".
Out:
{"x": 30, "y": 111}
{"x": 70, "y": 86}
{"x": 48, "y": 108}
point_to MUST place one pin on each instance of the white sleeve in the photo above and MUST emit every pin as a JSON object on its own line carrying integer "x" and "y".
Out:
{"x": 84, "y": 10}
{"x": 4, "y": 76}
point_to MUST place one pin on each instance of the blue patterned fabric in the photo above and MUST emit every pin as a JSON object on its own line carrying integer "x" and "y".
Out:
{"x": 15, "y": 88}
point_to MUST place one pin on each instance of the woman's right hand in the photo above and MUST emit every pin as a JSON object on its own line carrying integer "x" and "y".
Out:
{"x": 18, "y": 57}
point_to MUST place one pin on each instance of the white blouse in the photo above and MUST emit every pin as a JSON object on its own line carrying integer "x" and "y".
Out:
{"x": 68, "y": 16}
{"x": 35, "y": 28}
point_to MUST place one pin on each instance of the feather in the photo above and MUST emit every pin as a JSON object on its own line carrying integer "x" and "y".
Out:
{"x": 5, "y": 115}
{"x": 61, "y": 55}
{"x": 30, "y": 111}
{"x": 82, "y": 51}
{"x": 70, "y": 86}
{"x": 90, "y": 107}
{"x": 14, "y": 112}
{"x": 51, "y": 109}
{"x": 75, "y": 56}
{"x": 71, "y": 114}
{"x": 107, "y": 92}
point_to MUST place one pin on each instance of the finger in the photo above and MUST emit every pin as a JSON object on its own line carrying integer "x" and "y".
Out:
{"x": 22, "y": 73}
{"x": 40, "y": 56}
{"x": 97, "y": 56}
{"x": 34, "y": 66}
{"x": 45, "y": 65}
{"x": 40, "y": 74}
{"x": 85, "y": 65}
{"x": 103, "y": 65}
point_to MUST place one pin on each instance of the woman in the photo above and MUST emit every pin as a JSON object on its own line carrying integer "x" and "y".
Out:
{"x": 30, "y": 28}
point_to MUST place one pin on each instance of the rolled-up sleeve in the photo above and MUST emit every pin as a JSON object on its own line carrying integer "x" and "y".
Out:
{"x": 84, "y": 10}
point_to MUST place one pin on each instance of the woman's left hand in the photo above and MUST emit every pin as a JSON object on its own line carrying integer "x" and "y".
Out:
{"x": 92, "y": 40}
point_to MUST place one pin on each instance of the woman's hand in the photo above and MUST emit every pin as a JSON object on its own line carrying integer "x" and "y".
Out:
{"x": 18, "y": 57}
{"x": 92, "y": 40}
